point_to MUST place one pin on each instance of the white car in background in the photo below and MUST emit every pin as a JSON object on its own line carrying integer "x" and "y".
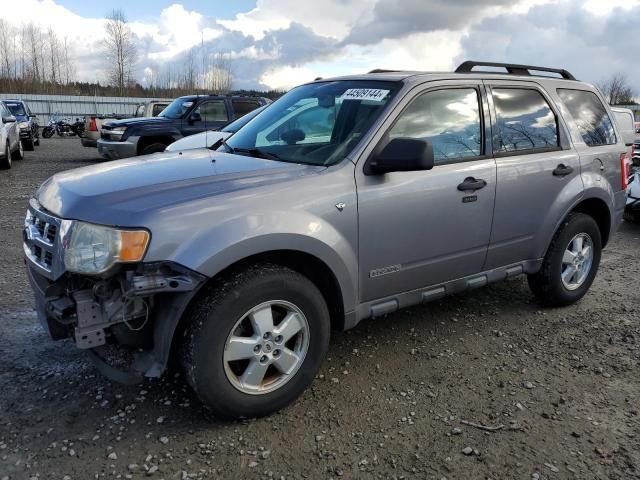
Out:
{"x": 10, "y": 144}
{"x": 210, "y": 137}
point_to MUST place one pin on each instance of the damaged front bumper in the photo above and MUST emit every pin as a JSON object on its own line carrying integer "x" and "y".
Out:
{"x": 135, "y": 310}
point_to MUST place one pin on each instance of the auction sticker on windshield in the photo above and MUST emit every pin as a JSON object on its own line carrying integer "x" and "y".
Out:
{"x": 374, "y": 94}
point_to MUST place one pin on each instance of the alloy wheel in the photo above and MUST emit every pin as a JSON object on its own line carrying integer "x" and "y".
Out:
{"x": 577, "y": 261}
{"x": 266, "y": 347}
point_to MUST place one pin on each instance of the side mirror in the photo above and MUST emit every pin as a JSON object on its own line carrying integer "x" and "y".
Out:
{"x": 195, "y": 117}
{"x": 402, "y": 155}
{"x": 9, "y": 119}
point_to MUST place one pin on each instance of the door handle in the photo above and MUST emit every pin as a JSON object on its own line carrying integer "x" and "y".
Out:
{"x": 562, "y": 170}
{"x": 471, "y": 183}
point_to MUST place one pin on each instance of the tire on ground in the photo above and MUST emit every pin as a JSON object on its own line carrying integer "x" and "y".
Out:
{"x": 29, "y": 144}
{"x": 215, "y": 313}
{"x": 547, "y": 283}
{"x": 153, "y": 148}
{"x": 5, "y": 162}
{"x": 18, "y": 154}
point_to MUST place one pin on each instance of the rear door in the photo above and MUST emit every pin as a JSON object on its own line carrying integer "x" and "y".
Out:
{"x": 538, "y": 171}
{"x": 243, "y": 106}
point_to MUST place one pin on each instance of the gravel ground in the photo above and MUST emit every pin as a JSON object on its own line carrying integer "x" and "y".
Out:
{"x": 399, "y": 397}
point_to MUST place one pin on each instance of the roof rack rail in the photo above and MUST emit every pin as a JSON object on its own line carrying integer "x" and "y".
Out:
{"x": 384, "y": 70}
{"x": 512, "y": 69}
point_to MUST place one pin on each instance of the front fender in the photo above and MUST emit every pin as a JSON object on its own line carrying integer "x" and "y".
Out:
{"x": 215, "y": 249}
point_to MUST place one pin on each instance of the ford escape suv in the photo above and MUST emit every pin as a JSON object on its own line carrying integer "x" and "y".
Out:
{"x": 348, "y": 198}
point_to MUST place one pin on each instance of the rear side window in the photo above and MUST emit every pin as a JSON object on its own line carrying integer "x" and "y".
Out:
{"x": 525, "y": 120}
{"x": 140, "y": 111}
{"x": 157, "y": 108}
{"x": 590, "y": 116}
{"x": 213, "y": 111}
{"x": 242, "y": 107}
{"x": 449, "y": 119}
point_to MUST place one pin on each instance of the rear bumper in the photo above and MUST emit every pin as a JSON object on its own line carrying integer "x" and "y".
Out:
{"x": 111, "y": 150}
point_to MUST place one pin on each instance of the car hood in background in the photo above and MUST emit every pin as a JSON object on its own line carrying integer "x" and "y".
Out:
{"x": 123, "y": 192}
{"x": 199, "y": 140}
{"x": 133, "y": 122}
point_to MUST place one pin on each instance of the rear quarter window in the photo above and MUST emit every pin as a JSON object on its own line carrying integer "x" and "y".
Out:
{"x": 590, "y": 115}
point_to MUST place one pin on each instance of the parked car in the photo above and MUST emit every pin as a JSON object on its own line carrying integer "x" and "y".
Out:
{"x": 632, "y": 208}
{"x": 27, "y": 123}
{"x": 10, "y": 145}
{"x": 211, "y": 137}
{"x": 389, "y": 189}
{"x": 93, "y": 124}
{"x": 152, "y": 108}
{"x": 183, "y": 117}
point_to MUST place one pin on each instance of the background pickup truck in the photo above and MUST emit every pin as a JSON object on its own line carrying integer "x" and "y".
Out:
{"x": 93, "y": 124}
{"x": 183, "y": 117}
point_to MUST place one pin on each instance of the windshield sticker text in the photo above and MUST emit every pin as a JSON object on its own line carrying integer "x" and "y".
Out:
{"x": 373, "y": 94}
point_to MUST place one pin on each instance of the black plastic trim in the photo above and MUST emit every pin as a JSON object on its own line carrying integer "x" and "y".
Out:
{"x": 512, "y": 69}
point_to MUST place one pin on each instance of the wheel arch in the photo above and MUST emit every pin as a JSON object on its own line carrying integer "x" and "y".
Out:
{"x": 597, "y": 209}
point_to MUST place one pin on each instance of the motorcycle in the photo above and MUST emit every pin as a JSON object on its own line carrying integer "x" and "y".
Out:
{"x": 49, "y": 129}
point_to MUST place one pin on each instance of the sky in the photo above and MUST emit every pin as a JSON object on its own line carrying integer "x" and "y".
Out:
{"x": 282, "y": 43}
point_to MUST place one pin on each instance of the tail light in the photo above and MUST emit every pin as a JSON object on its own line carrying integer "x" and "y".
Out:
{"x": 92, "y": 125}
{"x": 625, "y": 170}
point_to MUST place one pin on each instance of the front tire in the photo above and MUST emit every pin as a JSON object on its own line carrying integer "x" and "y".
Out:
{"x": 5, "y": 162}
{"x": 153, "y": 148}
{"x": 29, "y": 144}
{"x": 18, "y": 154}
{"x": 255, "y": 341}
{"x": 571, "y": 262}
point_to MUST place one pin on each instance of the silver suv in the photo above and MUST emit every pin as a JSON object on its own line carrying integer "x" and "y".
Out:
{"x": 348, "y": 198}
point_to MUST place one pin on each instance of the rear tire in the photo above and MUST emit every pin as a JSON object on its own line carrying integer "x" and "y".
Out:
{"x": 153, "y": 148}
{"x": 234, "y": 311}
{"x": 5, "y": 162}
{"x": 18, "y": 154}
{"x": 565, "y": 276}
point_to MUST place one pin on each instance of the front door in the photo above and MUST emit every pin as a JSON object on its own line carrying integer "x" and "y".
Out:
{"x": 422, "y": 228}
{"x": 209, "y": 115}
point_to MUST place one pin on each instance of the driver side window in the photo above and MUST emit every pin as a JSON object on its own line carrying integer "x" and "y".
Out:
{"x": 448, "y": 118}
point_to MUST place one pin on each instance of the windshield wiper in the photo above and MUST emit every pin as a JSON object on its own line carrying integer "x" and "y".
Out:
{"x": 254, "y": 152}
{"x": 218, "y": 143}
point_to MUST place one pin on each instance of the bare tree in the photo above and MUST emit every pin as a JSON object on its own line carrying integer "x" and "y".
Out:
{"x": 7, "y": 59}
{"x": 121, "y": 51}
{"x": 616, "y": 90}
{"x": 54, "y": 55}
{"x": 33, "y": 50}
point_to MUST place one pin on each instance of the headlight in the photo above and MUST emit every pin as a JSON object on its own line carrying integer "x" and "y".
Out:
{"x": 23, "y": 125}
{"x": 95, "y": 249}
{"x": 117, "y": 132}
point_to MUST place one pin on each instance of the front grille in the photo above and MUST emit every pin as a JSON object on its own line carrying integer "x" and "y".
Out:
{"x": 41, "y": 241}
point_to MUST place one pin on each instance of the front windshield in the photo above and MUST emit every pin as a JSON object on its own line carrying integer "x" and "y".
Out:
{"x": 236, "y": 125}
{"x": 176, "y": 109}
{"x": 16, "y": 109}
{"x": 315, "y": 124}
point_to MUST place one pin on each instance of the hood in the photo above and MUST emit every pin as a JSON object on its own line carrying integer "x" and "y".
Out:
{"x": 21, "y": 118}
{"x": 120, "y": 193}
{"x": 131, "y": 122}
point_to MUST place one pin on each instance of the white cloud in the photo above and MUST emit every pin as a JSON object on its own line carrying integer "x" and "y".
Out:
{"x": 281, "y": 43}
